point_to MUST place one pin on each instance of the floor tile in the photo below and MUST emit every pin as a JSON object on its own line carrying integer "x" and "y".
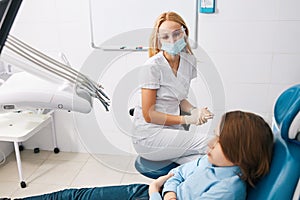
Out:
{"x": 47, "y": 172}
{"x": 56, "y": 172}
{"x": 7, "y": 188}
{"x": 9, "y": 170}
{"x": 114, "y": 162}
{"x": 71, "y": 156}
{"x": 95, "y": 174}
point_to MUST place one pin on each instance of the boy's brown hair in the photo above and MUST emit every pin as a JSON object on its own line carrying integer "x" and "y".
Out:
{"x": 247, "y": 141}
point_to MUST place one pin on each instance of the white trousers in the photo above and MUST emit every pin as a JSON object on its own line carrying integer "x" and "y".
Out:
{"x": 179, "y": 146}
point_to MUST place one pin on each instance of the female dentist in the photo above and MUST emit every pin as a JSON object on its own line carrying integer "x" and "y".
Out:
{"x": 164, "y": 86}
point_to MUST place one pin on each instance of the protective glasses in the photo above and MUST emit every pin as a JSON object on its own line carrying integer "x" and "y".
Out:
{"x": 175, "y": 35}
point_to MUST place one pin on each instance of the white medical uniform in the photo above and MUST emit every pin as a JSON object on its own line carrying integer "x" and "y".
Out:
{"x": 161, "y": 142}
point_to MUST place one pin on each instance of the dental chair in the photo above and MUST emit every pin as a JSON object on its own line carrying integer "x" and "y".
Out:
{"x": 283, "y": 180}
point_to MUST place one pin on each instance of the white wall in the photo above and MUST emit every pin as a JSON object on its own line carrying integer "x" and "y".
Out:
{"x": 253, "y": 44}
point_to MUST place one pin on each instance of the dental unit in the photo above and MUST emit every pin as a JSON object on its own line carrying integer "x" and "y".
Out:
{"x": 49, "y": 84}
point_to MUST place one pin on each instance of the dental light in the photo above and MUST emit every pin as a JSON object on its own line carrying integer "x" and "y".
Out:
{"x": 53, "y": 84}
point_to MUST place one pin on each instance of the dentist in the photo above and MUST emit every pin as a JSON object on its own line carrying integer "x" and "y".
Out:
{"x": 164, "y": 86}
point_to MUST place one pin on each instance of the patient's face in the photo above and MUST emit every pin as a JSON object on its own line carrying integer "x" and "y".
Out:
{"x": 215, "y": 153}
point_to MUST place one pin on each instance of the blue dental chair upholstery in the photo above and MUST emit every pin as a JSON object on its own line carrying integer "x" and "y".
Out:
{"x": 284, "y": 175}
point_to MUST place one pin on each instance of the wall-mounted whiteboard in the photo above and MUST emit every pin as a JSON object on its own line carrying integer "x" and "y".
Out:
{"x": 127, "y": 24}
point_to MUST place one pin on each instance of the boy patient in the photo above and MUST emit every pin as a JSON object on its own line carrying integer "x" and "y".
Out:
{"x": 238, "y": 156}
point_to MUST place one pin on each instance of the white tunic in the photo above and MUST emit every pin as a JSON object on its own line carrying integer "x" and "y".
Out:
{"x": 171, "y": 89}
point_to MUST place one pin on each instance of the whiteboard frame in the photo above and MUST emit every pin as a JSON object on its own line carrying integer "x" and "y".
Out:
{"x": 194, "y": 45}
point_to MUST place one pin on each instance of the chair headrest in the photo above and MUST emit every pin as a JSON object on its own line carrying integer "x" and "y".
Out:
{"x": 287, "y": 114}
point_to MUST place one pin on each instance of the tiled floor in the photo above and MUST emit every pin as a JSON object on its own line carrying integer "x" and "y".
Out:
{"x": 46, "y": 172}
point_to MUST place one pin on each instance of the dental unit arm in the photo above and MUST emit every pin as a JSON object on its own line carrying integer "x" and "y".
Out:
{"x": 53, "y": 84}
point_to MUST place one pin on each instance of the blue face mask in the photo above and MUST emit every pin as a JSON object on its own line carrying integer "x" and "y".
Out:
{"x": 174, "y": 48}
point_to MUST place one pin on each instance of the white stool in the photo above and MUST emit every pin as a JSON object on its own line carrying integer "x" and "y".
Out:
{"x": 19, "y": 126}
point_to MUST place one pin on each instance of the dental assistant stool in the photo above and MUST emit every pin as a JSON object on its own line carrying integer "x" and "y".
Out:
{"x": 152, "y": 169}
{"x": 18, "y": 127}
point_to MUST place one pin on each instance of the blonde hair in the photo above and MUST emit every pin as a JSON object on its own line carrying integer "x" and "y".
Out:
{"x": 154, "y": 44}
{"x": 247, "y": 141}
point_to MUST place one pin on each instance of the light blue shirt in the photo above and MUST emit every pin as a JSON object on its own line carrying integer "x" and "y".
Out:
{"x": 199, "y": 179}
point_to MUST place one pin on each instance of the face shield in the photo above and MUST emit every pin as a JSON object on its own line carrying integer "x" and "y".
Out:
{"x": 172, "y": 42}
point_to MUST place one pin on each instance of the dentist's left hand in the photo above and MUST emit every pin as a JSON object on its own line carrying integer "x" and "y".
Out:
{"x": 204, "y": 115}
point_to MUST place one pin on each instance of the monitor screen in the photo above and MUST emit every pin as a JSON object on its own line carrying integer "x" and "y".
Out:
{"x": 8, "y": 12}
